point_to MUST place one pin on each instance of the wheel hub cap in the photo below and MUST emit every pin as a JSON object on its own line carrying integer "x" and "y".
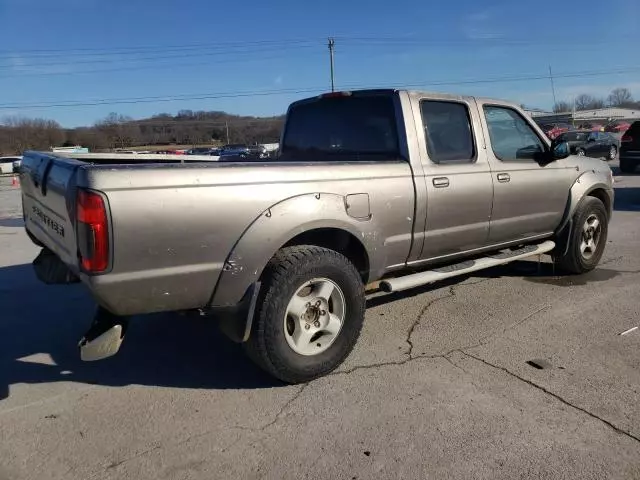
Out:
{"x": 314, "y": 316}
{"x": 591, "y": 231}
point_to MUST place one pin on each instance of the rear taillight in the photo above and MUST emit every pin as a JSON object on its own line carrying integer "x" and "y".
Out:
{"x": 626, "y": 138}
{"x": 93, "y": 232}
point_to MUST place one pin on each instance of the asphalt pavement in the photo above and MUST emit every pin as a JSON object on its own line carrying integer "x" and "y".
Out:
{"x": 511, "y": 373}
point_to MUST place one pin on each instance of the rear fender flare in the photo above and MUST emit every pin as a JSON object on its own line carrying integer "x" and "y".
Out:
{"x": 276, "y": 226}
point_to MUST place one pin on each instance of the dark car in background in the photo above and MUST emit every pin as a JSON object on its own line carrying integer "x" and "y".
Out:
{"x": 199, "y": 151}
{"x": 234, "y": 149}
{"x": 552, "y": 130}
{"x": 587, "y": 143}
{"x": 630, "y": 149}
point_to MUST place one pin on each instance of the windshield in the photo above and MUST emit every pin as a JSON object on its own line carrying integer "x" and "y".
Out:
{"x": 356, "y": 127}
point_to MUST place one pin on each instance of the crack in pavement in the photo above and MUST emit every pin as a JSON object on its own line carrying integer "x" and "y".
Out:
{"x": 409, "y": 356}
{"x": 284, "y": 407}
{"x": 418, "y": 320}
{"x": 555, "y": 395}
{"x": 425, "y": 308}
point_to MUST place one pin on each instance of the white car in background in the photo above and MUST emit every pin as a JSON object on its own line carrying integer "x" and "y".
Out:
{"x": 10, "y": 164}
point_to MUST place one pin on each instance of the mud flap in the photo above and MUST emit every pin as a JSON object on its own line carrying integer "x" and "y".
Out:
{"x": 104, "y": 337}
{"x": 236, "y": 321}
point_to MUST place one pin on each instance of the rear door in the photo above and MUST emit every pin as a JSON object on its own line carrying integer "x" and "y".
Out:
{"x": 48, "y": 193}
{"x": 630, "y": 143}
{"x": 457, "y": 175}
{"x": 529, "y": 198}
{"x": 596, "y": 145}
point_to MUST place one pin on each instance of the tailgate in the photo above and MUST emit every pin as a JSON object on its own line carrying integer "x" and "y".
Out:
{"x": 48, "y": 202}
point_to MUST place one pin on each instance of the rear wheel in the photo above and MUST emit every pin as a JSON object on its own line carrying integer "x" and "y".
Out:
{"x": 310, "y": 314}
{"x": 587, "y": 238}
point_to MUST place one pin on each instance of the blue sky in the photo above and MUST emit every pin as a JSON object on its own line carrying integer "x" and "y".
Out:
{"x": 54, "y": 51}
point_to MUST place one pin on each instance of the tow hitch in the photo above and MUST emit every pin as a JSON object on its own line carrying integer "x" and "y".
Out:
{"x": 104, "y": 337}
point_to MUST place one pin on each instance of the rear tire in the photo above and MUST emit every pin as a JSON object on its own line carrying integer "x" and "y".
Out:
{"x": 587, "y": 239}
{"x": 296, "y": 276}
{"x": 627, "y": 167}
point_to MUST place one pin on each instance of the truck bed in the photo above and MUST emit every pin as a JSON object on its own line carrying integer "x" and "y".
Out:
{"x": 173, "y": 225}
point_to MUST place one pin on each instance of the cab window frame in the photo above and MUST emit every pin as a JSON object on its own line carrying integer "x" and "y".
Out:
{"x": 428, "y": 144}
{"x": 545, "y": 145}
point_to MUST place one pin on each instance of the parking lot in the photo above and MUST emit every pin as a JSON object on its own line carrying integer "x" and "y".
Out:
{"x": 511, "y": 373}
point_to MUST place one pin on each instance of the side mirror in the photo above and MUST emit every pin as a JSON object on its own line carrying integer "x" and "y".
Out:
{"x": 560, "y": 150}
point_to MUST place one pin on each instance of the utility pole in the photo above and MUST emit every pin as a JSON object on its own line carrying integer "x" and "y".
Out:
{"x": 331, "y": 45}
{"x": 553, "y": 88}
{"x": 227, "y": 125}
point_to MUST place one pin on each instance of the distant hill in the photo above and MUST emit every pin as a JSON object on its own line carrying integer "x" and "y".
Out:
{"x": 117, "y": 131}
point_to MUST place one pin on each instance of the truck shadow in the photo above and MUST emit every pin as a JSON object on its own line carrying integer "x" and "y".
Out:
{"x": 627, "y": 199}
{"x": 529, "y": 270}
{"x": 40, "y": 326}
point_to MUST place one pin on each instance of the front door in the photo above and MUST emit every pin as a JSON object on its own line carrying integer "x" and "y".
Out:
{"x": 529, "y": 198}
{"x": 458, "y": 177}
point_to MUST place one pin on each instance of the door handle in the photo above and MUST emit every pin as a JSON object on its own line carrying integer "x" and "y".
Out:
{"x": 503, "y": 177}
{"x": 441, "y": 182}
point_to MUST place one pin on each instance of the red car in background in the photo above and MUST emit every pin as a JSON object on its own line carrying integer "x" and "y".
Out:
{"x": 594, "y": 127}
{"x": 552, "y": 130}
{"x": 617, "y": 127}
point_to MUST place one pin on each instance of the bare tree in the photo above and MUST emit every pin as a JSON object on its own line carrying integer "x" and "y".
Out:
{"x": 120, "y": 131}
{"x": 588, "y": 102}
{"x": 620, "y": 97}
{"x": 562, "y": 107}
{"x": 20, "y": 134}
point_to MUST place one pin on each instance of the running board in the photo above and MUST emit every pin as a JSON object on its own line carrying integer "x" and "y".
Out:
{"x": 492, "y": 260}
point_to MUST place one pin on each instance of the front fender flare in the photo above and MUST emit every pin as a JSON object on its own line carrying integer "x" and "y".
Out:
{"x": 581, "y": 188}
{"x": 276, "y": 226}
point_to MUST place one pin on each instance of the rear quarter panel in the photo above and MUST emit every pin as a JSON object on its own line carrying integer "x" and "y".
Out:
{"x": 175, "y": 226}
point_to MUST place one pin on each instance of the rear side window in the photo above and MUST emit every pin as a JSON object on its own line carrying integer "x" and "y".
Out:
{"x": 447, "y": 131}
{"x": 342, "y": 128}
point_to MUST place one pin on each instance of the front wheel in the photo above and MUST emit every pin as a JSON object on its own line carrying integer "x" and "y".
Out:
{"x": 580, "y": 152}
{"x": 587, "y": 238}
{"x": 613, "y": 151}
{"x": 310, "y": 314}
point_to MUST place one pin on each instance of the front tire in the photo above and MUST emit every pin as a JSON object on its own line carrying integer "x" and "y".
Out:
{"x": 587, "y": 239}
{"x": 309, "y": 316}
{"x": 613, "y": 152}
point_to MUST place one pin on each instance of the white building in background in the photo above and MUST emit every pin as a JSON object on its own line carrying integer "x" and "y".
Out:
{"x": 599, "y": 114}
{"x": 75, "y": 149}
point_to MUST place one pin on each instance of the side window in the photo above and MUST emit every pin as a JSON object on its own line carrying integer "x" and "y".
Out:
{"x": 447, "y": 132}
{"x": 512, "y": 138}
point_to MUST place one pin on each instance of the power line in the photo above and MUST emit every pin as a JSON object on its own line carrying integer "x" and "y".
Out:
{"x": 171, "y": 65}
{"x": 163, "y": 56}
{"x": 285, "y": 91}
{"x": 129, "y": 48}
{"x": 229, "y": 47}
